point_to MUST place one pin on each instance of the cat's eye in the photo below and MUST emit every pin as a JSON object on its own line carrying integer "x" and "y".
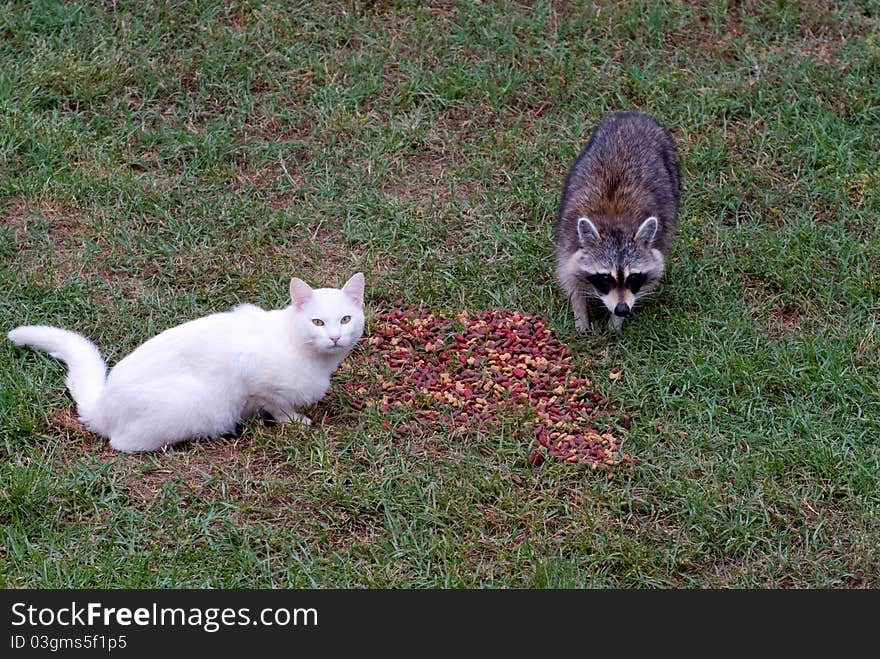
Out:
{"x": 602, "y": 282}
{"x": 318, "y": 322}
{"x": 345, "y": 320}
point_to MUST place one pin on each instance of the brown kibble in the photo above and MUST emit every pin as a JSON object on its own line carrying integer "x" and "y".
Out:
{"x": 482, "y": 370}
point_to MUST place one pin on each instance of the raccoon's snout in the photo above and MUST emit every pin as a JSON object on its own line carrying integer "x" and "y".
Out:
{"x": 621, "y": 309}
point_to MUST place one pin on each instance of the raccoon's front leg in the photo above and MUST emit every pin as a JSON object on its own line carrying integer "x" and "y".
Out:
{"x": 579, "y": 307}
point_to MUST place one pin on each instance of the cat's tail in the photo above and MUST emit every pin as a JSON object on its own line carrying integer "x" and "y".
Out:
{"x": 87, "y": 371}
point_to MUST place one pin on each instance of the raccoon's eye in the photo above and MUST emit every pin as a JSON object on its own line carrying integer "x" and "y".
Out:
{"x": 635, "y": 281}
{"x": 345, "y": 320}
{"x": 603, "y": 282}
{"x": 318, "y": 322}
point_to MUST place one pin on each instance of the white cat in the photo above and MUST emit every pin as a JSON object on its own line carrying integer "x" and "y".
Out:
{"x": 199, "y": 379}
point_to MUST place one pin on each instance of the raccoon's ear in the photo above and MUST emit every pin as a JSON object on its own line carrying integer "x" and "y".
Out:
{"x": 588, "y": 234}
{"x": 646, "y": 232}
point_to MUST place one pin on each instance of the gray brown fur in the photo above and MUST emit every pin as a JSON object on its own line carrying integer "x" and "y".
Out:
{"x": 627, "y": 173}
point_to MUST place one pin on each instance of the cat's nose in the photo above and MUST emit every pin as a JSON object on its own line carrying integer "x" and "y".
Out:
{"x": 335, "y": 339}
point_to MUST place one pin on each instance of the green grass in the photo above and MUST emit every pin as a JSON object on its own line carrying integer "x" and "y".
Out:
{"x": 163, "y": 160}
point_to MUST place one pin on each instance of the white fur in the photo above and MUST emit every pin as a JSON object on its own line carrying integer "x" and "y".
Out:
{"x": 199, "y": 379}
{"x": 660, "y": 266}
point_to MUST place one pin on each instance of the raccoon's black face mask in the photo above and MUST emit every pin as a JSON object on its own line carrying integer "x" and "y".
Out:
{"x": 635, "y": 281}
{"x": 604, "y": 283}
{"x": 619, "y": 291}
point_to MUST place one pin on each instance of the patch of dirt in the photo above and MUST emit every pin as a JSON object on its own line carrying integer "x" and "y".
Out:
{"x": 777, "y": 319}
{"x": 861, "y": 188}
{"x": 347, "y": 532}
{"x": 78, "y": 251}
{"x": 212, "y": 469}
{"x": 279, "y": 182}
{"x": 259, "y": 481}
{"x": 427, "y": 178}
{"x": 64, "y": 222}
{"x": 820, "y": 31}
{"x": 785, "y": 319}
{"x": 275, "y": 129}
{"x": 239, "y": 20}
{"x": 66, "y": 420}
{"x": 729, "y": 570}
{"x": 862, "y": 582}
{"x": 314, "y": 254}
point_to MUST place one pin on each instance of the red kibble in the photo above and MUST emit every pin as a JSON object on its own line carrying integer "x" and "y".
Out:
{"x": 502, "y": 368}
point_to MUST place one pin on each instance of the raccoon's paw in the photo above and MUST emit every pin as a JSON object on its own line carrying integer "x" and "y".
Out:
{"x": 582, "y": 325}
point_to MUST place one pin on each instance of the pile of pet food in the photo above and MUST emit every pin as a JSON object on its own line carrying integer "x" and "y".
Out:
{"x": 478, "y": 372}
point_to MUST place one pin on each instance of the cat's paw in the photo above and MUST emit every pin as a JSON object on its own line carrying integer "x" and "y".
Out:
{"x": 302, "y": 418}
{"x": 283, "y": 416}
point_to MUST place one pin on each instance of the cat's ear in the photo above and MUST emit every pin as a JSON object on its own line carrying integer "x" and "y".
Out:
{"x": 354, "y": 288}
{"x": 300, "y": 292}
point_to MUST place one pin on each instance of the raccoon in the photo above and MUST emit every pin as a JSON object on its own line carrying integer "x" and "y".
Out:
{"x": 616, "y": 216}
